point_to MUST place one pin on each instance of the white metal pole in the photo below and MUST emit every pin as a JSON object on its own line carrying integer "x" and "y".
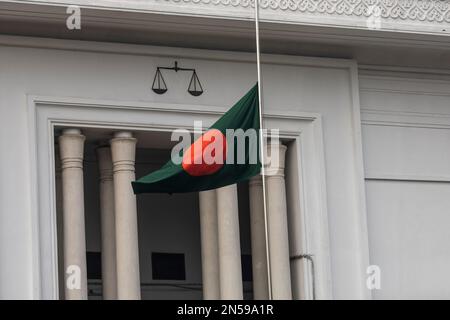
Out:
{"x": 261, "y": 143}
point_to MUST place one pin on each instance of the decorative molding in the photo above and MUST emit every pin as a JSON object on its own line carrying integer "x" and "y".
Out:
{"x": 413, "y": 10}
{"x": 380, "y": 176}
{"x": 379, "y": 117}
{"x": 410, "y": 92}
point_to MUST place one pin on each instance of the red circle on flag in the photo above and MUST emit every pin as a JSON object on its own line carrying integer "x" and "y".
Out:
{"x": 197, "y": 162}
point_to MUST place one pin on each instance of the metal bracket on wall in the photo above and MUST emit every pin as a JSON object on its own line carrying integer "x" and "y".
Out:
{"x": 159, "y": 85}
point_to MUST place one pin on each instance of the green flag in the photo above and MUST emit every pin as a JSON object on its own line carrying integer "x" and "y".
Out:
{"x": 232, "y": 142}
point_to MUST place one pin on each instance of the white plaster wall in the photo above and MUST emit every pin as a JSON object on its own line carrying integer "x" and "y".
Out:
{"x": 406, "y": 134}
{"x": 326, "y": 88}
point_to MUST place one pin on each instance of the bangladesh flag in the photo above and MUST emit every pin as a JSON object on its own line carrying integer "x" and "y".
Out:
{"x": 227, "y": 153}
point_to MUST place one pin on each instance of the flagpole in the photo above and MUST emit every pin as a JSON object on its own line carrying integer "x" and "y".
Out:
{"x": 261, "y": 143}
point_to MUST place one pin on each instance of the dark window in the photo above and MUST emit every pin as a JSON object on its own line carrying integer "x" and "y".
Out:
{"x": 94, "y": 265}
{"x": 247, "y": 272}
{"x": 168, "y": 266}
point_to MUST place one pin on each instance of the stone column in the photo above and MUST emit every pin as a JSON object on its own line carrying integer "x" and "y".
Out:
{"x": 229, "y": 244}
{"x": 210, "y": 246}
{"x": 123, "y": 149}
{"x": 71, "y": 145}
{"x": 108, "y": 225}
{"x": 258, "y": 240}
{"x": 277, "y": 223}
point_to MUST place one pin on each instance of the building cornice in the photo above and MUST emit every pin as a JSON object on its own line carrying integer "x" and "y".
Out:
{"x": 205, "y": 29}
{"x": 413, "y": 10}
{"x": 411, "y": 16}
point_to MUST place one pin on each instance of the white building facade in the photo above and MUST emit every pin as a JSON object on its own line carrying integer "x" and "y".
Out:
{"x": 359, "y": 89}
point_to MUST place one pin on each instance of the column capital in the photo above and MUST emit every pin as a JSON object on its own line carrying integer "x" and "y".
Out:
{"x": 123, "y": 134}
{"x": 123, "y": 151}
{"x": 275, "y": 159}
{"x": 71, "y": 148}
{"x": 71, "y": 131}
